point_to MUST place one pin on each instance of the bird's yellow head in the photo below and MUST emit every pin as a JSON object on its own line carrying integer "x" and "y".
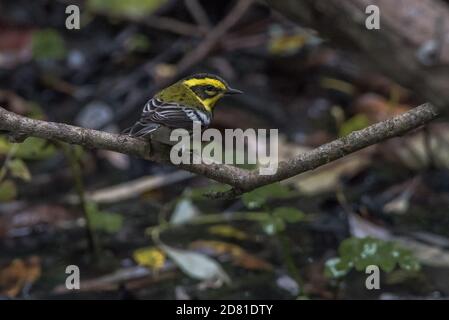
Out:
{"x": 208, "y": 88}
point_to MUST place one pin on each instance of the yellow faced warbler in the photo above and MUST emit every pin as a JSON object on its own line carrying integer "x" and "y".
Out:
{"x": 189, "y": 100}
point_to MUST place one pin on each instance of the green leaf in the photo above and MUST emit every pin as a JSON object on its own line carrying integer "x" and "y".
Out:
{"x": 103, "y": 221}
{"x": 387, "y": 257}
{"x": 8, "y": 190}
{"x": 273, "y": 225}
{"x": 337, "y": 268}
{"x": 408, "y": 262}
{"x": 357, "y": 122}
{"x": 359, "y": 253}
{"x": 289, "y": 214}
{"x": 19, "y": 169}
{"x": 128, "y": 8}
{"x": 258, "y": 197}
{"x": 31, "y": 149}
{"x": 48, "y": 44}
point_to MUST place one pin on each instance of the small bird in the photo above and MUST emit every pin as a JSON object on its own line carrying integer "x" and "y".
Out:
{"x": 189, "y": 100}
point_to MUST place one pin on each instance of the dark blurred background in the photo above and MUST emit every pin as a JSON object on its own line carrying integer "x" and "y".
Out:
{"x": 141, "y": 230}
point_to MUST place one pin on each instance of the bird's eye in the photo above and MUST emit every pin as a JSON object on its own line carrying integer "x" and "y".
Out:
{"x": 210, "y": 90}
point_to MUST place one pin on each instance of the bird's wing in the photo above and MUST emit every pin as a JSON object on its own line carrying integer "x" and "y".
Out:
{"x": 173, "y": 114}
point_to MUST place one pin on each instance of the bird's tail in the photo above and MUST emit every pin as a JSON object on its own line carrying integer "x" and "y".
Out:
{"x": 140, "y": 129}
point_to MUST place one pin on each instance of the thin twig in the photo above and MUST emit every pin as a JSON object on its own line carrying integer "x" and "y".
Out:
{"x": 214, "y": 36}
{"x": 161, "y": 23}
{"x": 172, "y": 25}
{"x": 198, "y": 13}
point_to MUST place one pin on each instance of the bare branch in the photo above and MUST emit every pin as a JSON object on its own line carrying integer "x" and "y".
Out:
{"x": 198, "y": 13}
{"x": 94, "y": 139}
{"x": 214, "y": 36}
{"x": 240, "y": 180}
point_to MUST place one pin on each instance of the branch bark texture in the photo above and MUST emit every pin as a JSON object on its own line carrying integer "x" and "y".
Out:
{"x": 241, "y": 180}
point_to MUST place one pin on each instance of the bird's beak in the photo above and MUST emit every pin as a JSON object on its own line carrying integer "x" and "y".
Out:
{"x": 233, "y": 91}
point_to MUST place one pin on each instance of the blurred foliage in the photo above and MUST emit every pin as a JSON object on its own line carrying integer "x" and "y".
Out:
{"x": 14, "y": 168}
{"x": 129, "y": 8}
{"x": 138, "y": 43}
{"x": 19, "y": 275}
{"x": 311, "y": 92}
{"x": 337, "y": 86}
{"x": 286, "y": 45}
{"x": 280, "y": 217}
{"x": 260, "y": 196}
{"x": 239, "y": 256}
{"x": 8, "y": 190}
{"x": 354, "y": 123}
{"x": 150, "y": 257}
{"x": 102, "y": 220}
{"x": 289, "y": 214}
{"x": 19, "y": 169}
{"x": 227, "y": 231}
{"x": 273, "y": 225}
{"x": 48, "y": 44}
{"x": 359, "y": 253}
{"x": 31, "y": 149}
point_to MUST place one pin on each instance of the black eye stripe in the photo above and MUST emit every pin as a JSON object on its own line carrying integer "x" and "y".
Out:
{"x": 205, "y": 91}
{"x": 204, "y": 87}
